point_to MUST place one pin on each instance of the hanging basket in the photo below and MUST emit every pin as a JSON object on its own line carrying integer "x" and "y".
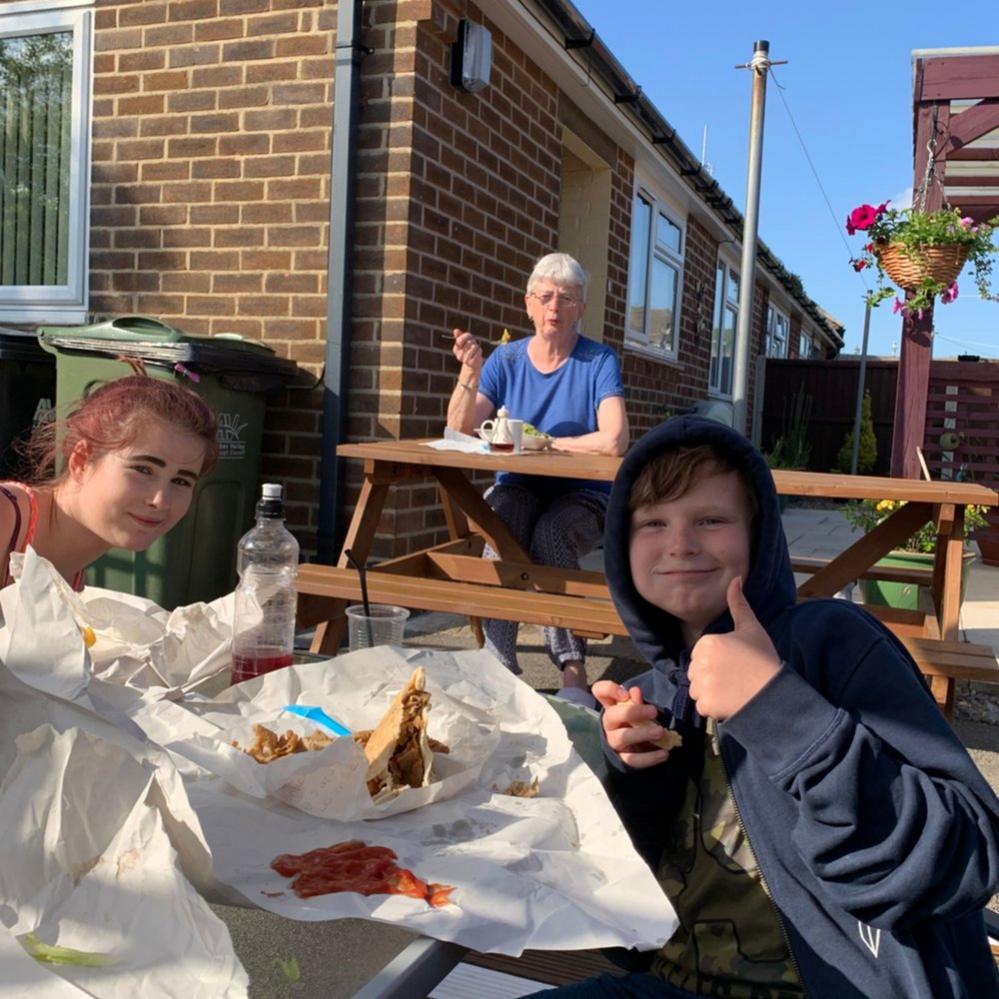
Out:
{"x": 909, "y": 269}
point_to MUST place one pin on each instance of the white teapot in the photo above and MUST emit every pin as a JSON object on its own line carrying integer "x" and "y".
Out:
{"x": 499, "y": 433}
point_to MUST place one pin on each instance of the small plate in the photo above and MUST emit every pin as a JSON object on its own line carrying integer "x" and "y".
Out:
{"x": 529, "y": 442}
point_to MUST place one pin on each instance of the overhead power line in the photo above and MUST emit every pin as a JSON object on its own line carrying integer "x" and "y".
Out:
{"x": 825, "y": 197}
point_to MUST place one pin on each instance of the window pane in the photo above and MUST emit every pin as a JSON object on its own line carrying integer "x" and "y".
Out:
{"x": 713, "y": 366}
{"x": 35, "y": 109}
{"x": 732, "y": 291}
{"x": 662, "y": 303}
{"x": 667, "y": 234}
{"x": 727, "y": 350}
{"x": 641, "y": 220}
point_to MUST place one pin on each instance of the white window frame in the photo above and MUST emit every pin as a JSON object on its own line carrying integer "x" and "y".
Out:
{"x": 640, "y": 337}
{"x": 64, "y": 302}
{"x": 777, "y": 347}
{"x": 722, "y": 304}
{"x": 804, "y": 340}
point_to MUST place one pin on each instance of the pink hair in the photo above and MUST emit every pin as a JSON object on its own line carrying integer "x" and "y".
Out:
{"x": 112, "y": 416}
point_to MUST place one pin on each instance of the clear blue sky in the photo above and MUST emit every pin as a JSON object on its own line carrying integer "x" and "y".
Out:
{"x": 848, "y": 84}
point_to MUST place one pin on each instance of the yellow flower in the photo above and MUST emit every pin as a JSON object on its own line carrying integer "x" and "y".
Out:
{"x": 884, "y": 505}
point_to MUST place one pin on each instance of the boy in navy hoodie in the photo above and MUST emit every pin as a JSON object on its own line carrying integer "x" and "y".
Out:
{"x": 819, "y": 829}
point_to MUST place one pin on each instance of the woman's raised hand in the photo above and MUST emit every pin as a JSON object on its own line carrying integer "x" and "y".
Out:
{"x": 467, "y": 350}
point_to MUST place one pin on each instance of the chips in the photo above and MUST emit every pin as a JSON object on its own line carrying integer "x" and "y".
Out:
{"x": 268, "y": 746}
{"x": 668, "y": 740}
{"x": 522, "y": 789}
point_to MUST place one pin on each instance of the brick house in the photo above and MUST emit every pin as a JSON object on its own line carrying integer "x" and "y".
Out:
{"x": 205, "y": 130}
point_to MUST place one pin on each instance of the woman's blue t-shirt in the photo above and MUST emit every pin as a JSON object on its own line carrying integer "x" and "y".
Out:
{"x": 562, "y": 403}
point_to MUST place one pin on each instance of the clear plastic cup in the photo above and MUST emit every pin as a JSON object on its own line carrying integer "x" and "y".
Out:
{"x": 385, "y": 625}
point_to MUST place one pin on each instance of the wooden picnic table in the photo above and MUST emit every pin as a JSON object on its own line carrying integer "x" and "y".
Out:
{"x": 454, "y": 577}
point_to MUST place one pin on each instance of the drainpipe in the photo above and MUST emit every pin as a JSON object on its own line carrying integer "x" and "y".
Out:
{"x": 339, "y": 272}
{"x": 740, "y": 368}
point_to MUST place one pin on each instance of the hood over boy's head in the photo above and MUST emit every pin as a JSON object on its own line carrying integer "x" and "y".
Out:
{"x": 669, "y": 581}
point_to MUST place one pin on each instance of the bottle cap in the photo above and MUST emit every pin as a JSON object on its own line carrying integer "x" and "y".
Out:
{"x": 272, "y": 491}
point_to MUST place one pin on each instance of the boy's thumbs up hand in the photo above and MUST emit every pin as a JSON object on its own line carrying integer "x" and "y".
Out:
{"x": 727, "y": 671}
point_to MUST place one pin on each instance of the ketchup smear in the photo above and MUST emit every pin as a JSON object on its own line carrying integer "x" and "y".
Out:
{"x": 355, "y": 866}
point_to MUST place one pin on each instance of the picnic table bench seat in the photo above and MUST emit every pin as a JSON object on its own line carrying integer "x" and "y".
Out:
{"x": 585, "y": 614}
{"x": 943, "y": 663}
{"x": 506, "y": 592}
{"x": 914, "y": 575}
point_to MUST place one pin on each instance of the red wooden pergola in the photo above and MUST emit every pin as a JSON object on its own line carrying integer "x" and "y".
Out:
{"x": 956, "y": 147}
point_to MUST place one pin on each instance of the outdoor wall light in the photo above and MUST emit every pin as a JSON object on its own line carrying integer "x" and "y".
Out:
{"x": 471, "y": 56}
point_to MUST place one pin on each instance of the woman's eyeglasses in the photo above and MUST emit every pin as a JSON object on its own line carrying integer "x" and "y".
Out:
{"x": 546, "y": 298}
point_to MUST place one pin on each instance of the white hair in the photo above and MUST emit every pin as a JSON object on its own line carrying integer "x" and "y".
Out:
{"x": 561, "y": 269}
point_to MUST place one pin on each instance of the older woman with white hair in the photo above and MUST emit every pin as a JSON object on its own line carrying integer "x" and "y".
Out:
{"x": 569, "y": 387}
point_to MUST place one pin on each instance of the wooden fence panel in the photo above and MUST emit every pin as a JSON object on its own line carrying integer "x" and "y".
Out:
{"x": 832, "y": 387}
{"x": 962, "y": 423}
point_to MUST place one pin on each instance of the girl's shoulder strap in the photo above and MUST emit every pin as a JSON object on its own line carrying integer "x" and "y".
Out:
{"x": 15, "y": 503}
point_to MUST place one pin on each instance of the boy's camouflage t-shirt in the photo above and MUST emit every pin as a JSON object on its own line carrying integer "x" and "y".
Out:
{"x": 730, "y": 941}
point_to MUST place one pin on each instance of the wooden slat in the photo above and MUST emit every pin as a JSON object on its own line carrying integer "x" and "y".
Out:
{"x": 603, "y": 468}
{"x": 829, "y": 486}
{"x": 955, "y": 77}
{"x": 419, "y": 563}
{"x": 526, "y": 606}
{"x": 958, "y": 660}
{"x": 903, "y": 623}
{"x": 557, "y": 464}
{"x": 887, "y": 574}
{"x": 521, "y": 575}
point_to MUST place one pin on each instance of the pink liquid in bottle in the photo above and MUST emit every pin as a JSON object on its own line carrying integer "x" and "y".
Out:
{"x": 262, "y": 660}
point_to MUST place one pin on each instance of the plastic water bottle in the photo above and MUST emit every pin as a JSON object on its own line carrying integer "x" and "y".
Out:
{"x": 264, "y": 617}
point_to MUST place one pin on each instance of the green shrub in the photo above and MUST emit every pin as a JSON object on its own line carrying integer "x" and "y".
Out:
{"x": 867, "y": 453}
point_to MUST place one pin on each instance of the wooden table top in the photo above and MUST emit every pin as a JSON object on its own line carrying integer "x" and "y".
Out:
{"x": 560, "y": 464}
{"x": 557, "y": 464}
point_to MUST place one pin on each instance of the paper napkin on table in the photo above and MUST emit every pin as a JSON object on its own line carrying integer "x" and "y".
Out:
{"x": 455, "y": 440}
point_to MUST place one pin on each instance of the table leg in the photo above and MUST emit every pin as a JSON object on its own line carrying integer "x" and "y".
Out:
{"x": 457, "y": 527}
{"x": 462, "y": 499}
{"x": 467, "y": 498}
{"x": 360, "y": 536}
{"x": 947, "y": 568}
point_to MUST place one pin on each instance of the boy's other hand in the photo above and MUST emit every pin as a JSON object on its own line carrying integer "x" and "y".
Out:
{"x": 727, "y": 671}
{"x": 629, "y": 723}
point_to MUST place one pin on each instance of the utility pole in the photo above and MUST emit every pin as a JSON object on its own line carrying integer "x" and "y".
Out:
{"x": 740, "y": 372}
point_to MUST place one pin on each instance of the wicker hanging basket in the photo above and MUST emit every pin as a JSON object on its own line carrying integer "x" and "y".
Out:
{"x": 909, "y": 269}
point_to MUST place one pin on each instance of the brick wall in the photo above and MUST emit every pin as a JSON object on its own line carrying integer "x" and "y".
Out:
{"x": 458, "y": 198}
{"x": 210, "y": 195}
{"x": 212, "y": 126}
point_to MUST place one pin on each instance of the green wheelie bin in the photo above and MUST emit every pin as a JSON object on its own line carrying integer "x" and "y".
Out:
{"x": 196, "y": 560}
